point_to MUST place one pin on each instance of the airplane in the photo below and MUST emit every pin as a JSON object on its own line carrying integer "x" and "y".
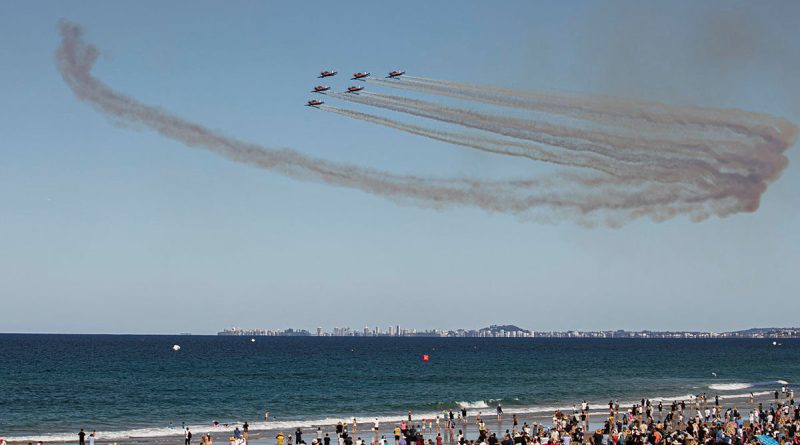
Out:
{"x": 354, "y": 89}
{"x": 327, "y": 74}
{"x": 314, "y": 103}
{"x": 320, "y": 88}
{"x": 358, "y": 76}
{"x": 393, "y": 74}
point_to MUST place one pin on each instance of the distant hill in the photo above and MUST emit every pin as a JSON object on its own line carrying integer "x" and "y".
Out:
{"x": 765, "y": 332}
{"x": 497, "y": 329}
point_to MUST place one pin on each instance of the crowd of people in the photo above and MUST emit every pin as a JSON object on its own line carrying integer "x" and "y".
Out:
{"x": 698, "y": 421}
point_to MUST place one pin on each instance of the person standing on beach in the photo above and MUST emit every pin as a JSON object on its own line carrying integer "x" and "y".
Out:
{"x": 187, "y": 437}
{"x": 81, "y": 437}
{"x": 499, "y": 413}
{"x": 91, "y": 437}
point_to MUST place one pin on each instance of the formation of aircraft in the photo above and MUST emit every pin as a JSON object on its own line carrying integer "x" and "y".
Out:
{"x": 356, "y": 76}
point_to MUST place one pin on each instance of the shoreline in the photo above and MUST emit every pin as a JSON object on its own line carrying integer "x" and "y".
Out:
{"x": 263, "y": 433}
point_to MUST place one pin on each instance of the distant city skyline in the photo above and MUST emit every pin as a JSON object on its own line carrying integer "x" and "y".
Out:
{"x": 510, "y": 331}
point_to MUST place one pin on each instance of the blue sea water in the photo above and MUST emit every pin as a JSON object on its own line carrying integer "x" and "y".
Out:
{"x": 50, "y": 385}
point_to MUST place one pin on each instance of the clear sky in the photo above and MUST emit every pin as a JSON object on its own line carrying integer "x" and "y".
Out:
{"x": 105, "y": 228}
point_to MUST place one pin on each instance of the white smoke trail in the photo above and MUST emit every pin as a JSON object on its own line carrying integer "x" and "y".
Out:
{"x": 508, "y": 147}
{"x": 671, "y": 167}
{"x": 632, "y": 147}
{"x": 606, "y": 110}
{"x": 586, "y": 197}
{"x": 729, "y": 165}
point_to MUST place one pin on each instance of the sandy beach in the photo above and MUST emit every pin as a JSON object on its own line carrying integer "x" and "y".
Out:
{"x": 264, "y": 433}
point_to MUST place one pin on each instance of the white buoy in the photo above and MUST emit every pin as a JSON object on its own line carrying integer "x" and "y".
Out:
{"x": 176, "y": 347}
{"x": 253, "y": 340}
{"x": 774, "y": 343}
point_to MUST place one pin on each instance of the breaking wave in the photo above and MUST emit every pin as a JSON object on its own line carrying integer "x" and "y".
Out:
{"x": 736, "y": 386}
{"x": 730, "y": 386}
{"x": 474, "y": 405}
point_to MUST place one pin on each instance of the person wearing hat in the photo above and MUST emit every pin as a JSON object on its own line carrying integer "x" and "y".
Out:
{"x": 280, "y": 438}
{"x": 597, "y": 437}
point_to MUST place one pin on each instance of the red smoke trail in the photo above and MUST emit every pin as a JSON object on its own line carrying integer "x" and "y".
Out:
{"x": 586, "y": 197}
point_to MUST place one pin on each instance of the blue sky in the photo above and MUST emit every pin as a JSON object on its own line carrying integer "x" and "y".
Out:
{"x": 105, "y": 228}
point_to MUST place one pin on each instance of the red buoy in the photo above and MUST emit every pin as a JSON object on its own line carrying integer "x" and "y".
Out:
{"x": 425, "y": 358}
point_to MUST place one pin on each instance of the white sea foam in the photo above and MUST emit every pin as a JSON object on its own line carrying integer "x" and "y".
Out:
{"x": 741, "y": 386}
{"x": 730, "y": 386}
{"x": 743, "y": 396}
{"x": 473, "y": 405}
{"x": 670, "y": 399}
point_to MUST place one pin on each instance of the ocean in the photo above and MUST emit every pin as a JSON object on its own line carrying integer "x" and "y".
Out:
{"x": 138, "y": 386}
